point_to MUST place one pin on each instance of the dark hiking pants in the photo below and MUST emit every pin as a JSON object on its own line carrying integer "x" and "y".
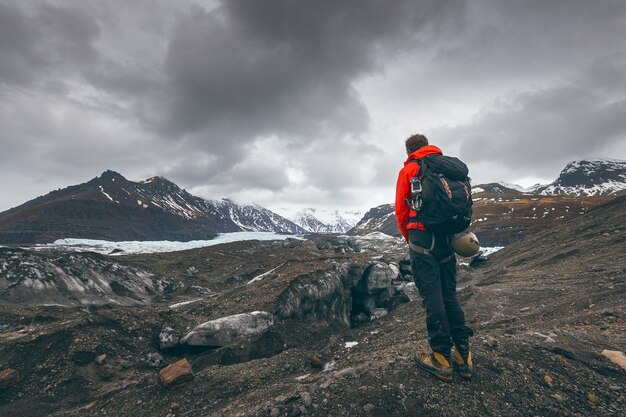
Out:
{"x": 434, "y": 270}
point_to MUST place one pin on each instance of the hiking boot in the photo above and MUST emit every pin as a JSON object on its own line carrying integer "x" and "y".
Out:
{"x": 463, "y": 361}
{"x": 437, "y": 364}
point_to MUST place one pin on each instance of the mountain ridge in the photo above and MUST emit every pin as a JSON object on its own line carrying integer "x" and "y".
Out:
{"x": 110, "y": 207}
{"x": 503, "y": 213}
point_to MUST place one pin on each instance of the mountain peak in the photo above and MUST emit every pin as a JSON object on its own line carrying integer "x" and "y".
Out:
{"x": 156, "y": 180}
{"x": 110, "y": 174}
{"x": 108, "y": 177}
{"x": 595, "y": 176}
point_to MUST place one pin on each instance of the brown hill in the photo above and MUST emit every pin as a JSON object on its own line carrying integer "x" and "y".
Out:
{"x": 499, "y": 218}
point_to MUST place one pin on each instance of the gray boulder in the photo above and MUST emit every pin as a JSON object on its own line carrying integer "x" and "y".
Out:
{"x": 226, "y": 330}
{"x": 378, "y": 277}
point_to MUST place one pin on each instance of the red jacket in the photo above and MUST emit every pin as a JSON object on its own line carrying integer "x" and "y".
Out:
{"x": 403, "y": 189}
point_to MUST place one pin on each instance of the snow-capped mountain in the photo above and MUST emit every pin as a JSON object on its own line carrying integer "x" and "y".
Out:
{"x": 317, "y": 220}
{"x": 594, "y": 177}
{"x": 497, "y": 188}
{"x": 512, "y": 186}
{"x": 504, "y": 212}
{"x": 252, "y": 217}
{"x": 378, "y": 219}
{"x": 110, "y": 207}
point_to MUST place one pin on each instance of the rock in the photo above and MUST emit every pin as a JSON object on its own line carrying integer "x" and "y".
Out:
{"x": 360, "y": 318}
{"x": 345, "y": 372}
{"x": 225, "y": 330}
{"x": 176, "y": 373}
{"x": 315, "y": 361}
{"x": 550, "y": 340}
{"x": 558, "y": 397}
{"x": 368, "y": 407}
{"x": 100, "y": 359}
{"x": 302, "y": 409}
{"x": 8, "y": 378}
{"x": 325, "y": 298}
{"x": 548, "y": 379}
{"x": 592, "y": 397}
{"x": 306, "y": 399}
{"x": 524, "y": 309}
{"x": 560, "y": 359}
{"x": 326, "y": 383}
{"x": 513, "y": 399}
{"x": 478, "y": 260}
{"x": 491, "y": 341}
{"x": 615, "y": 356}
{"x": 274, "y": 412}
{"x": 378, "y": 313}
{"x": 377, "y": 278}
{"x": 411, "y": 291}
{"x": 405, "y": 267}
{"x": 168, "y": 337}
{"x": 154, "y": 357}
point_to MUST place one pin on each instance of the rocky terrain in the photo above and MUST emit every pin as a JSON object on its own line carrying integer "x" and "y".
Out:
{"x": 323, "y": 327}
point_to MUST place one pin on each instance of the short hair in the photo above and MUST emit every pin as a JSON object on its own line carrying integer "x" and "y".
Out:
{"x": 415, "y": 142}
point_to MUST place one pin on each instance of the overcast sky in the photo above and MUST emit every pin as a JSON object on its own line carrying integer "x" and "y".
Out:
{"x": 304, "y": 103}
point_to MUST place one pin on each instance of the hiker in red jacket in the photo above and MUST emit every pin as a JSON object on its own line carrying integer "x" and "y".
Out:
{"x": 433, "y": 264}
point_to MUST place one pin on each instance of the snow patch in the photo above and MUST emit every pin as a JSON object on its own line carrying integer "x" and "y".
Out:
{"x": 184, "y": 303}
{"x": 263, "y": 275}
{"x": 107, "y": 196}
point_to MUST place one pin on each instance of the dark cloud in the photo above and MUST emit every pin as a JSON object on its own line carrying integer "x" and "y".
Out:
{"x": 304, "y": 102}
{"x": 250, "y": 69}
{"x": 19, "y": 54}
{"x": 538, "y": 131}
{"x": 36, "y": 44}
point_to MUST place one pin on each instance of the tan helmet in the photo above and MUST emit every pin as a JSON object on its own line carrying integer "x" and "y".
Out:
{"x": 465, "y": 244}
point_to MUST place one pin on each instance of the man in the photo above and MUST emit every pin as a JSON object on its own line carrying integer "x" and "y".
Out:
{"x": 433, "y": 264}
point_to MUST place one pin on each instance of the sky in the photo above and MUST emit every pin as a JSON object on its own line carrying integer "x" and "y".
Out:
{"x": 299, "y": 104}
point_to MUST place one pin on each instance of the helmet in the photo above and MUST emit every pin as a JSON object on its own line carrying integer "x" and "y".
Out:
{"x": 465, "y": 244}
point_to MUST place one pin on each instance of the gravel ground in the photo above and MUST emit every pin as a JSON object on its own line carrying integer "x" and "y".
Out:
{"x": 543, "y": 310}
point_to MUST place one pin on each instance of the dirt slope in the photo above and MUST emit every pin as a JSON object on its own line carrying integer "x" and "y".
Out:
{"x": 543, "y": 310}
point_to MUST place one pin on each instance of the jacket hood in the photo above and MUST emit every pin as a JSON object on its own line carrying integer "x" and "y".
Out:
{"x": 422, "y": 152}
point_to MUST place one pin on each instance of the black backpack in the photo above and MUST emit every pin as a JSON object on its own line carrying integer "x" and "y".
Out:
{"x": 442, "y": 194}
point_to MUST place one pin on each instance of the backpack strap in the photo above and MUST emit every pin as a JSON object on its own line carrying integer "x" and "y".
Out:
{"x": 419, "y": 165}
{"x": 429, "y": 252}
{"x": 423, "y": 251}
